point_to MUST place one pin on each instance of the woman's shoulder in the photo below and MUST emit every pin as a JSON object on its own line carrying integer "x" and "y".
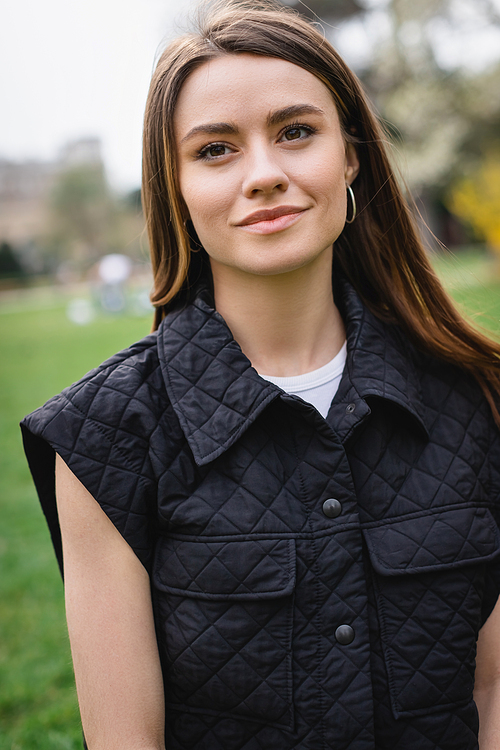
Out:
{"x": 118, "y": 402}
{"x": 124, "y": 373}
{"x": 102, "y": 426}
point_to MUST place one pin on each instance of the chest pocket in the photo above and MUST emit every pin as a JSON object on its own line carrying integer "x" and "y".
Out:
{"x": 429, "y": 582}
{"x": 224, "y": 615}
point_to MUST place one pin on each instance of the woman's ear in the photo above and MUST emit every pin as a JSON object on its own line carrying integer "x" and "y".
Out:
{"x": 351, "y": 163}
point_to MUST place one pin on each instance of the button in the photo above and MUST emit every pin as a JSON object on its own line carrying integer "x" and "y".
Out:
{"x": 332, "y": 508}
{"x": 344, "y": 635}
{"x": 350, "y": 408}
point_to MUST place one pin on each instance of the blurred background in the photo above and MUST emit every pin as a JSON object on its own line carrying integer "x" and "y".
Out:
{"x": 74, "y": 270}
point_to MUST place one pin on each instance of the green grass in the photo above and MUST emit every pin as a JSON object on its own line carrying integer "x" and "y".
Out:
{"x": 40, "y": 353}
{"x": 473, "y": 279}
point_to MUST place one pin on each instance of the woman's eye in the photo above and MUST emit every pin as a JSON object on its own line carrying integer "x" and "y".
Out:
{"x": 213, "y": 151}
{"x": 293, "y": 134}
{"x": 296, "y": 133}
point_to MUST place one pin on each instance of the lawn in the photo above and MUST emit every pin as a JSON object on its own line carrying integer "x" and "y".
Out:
{"x": 473, "y": 280}
{"x": 40, "y": 353}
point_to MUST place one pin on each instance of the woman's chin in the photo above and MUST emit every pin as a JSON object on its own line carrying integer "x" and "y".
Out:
{"x": 262, "y": 265}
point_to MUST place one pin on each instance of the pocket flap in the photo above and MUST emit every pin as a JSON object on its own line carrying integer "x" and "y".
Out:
{"x": 256, "y": 569}
{"x": 447, "y": 539}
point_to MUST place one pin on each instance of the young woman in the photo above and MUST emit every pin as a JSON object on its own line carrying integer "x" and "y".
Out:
{"x": 279, "y": 511}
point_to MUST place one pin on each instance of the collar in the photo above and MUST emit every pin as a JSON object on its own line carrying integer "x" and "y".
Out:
{"x": 381, "y": 363}
{"x": 217, "y": 394}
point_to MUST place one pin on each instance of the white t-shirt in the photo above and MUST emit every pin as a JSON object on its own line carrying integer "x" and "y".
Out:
{"x": 317, "y": 387}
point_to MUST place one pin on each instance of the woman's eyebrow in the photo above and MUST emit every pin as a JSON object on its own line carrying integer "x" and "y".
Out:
{"x": 212, "y": 128}
{"x": 294, "y": 110}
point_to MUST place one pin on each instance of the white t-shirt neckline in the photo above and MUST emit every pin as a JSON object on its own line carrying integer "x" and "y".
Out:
{"x": 318, "y": 387}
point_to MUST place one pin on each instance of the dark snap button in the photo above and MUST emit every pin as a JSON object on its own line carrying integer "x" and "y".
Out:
{"x": 332, "y": 508}
{"x": 344, "y": 635}
{"x": 350, "y": 408}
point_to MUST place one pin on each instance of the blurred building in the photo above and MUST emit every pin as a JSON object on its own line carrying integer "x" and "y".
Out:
{"x": 25, "y": 188}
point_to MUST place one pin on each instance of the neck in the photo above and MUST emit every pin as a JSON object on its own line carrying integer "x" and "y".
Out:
{"x": 286, "y": 324}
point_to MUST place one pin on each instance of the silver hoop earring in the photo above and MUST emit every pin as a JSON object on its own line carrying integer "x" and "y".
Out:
{"x": 353, "y": 201}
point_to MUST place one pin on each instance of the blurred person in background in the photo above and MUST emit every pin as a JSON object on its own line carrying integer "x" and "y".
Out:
{"x": 278, "y": 513}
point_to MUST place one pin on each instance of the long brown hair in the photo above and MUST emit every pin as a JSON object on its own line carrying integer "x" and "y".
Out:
{"x": 380, "y": 252}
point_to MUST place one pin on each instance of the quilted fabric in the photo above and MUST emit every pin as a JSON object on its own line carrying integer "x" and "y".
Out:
{"x": 217, "y": 480}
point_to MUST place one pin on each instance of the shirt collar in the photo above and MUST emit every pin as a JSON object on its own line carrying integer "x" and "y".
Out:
{"x": 217, "y": 394}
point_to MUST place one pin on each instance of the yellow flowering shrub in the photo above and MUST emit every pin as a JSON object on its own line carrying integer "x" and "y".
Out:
{"x": 476, "y": 200}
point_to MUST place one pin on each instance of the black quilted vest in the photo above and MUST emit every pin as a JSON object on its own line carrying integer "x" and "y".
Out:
{"x": 316, "y": 583}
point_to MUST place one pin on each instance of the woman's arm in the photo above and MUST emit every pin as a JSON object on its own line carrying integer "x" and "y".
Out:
{"x": 110, "y": 624}
{"x": 487, "y": 687}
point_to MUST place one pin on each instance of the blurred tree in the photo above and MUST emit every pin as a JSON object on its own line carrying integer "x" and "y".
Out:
{"x": 86, "y": 220}
{"x": 434, "y": 107}
{"x": 10, "y": 265}
{"x": 81, "y": 214}
{"x": 476, "y": 199}
{"x": 133, "y": 200}
{"x": 128, "y": 234}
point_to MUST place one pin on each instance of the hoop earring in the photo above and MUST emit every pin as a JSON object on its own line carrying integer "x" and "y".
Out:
{"x": 353, "y": 201}
{"x": 194, "y": 242}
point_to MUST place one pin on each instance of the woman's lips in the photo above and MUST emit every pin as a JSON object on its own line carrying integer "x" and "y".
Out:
{"x": 271, "y": 220}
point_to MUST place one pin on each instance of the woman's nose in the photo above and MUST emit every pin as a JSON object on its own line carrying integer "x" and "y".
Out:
{"x": 263, "y": 173}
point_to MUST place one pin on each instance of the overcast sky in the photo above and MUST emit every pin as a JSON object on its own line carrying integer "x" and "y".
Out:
{"x": 77, "y": 68}
{"x": 74, "y": 68}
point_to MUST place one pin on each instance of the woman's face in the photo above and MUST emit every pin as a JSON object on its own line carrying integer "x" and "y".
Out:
{"x": 262, "y": 163}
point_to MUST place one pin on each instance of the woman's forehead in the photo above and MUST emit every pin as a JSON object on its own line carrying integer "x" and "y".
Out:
{"x": 235, "y": 86}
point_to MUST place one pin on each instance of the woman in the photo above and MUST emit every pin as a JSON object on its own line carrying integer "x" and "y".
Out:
{"x": 277, "y": 510}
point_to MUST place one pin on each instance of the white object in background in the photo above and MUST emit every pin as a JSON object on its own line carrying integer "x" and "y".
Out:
{"x": 80, "y": 311}
{"x": 114, "y": 268}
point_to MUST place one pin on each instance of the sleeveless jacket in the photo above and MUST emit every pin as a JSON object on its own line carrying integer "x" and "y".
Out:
{"x": 316, "y": 583}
